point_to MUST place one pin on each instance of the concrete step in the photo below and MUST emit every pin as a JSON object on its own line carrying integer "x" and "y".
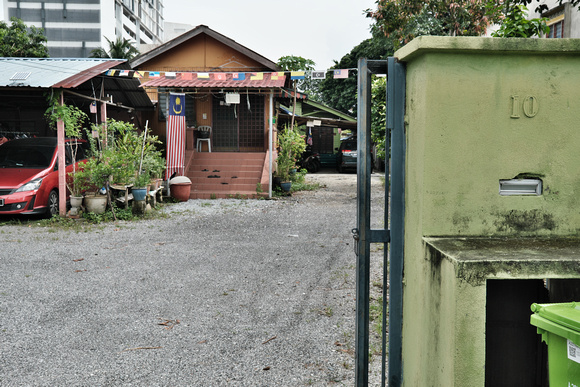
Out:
{"x": 225, "y": 174}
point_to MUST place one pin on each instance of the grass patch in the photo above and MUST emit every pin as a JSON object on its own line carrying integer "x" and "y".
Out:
{"x": 88, "y": 219}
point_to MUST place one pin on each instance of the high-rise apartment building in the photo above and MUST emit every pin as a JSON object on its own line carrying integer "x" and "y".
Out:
{"x": 75, "y": 27}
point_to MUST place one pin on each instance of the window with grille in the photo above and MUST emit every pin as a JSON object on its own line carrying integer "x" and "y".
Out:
{"x": 238, "y": 127}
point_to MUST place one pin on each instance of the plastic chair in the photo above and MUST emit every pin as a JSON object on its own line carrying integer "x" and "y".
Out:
{"x": 204, "y": 134}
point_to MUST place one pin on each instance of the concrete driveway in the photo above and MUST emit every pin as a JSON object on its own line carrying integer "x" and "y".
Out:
{"x": 218, "y": 293}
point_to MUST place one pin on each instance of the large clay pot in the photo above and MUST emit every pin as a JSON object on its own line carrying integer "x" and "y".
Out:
{"x": 180, "y": 187}
{"x": 76, "y": 201}
{"x": 97, "y": 204}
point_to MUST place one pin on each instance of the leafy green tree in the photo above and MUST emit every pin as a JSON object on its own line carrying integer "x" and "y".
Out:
{"x": 121, "y": 48}
{"x": 379, "y": 114}
{"x": 298, "y": 63}
{"x": 404, "y": 20}
{"x": 341, "y": 94}
{"x": 295, "y": 63}
{"x": 516, "y": 25}
{"x": 19, "y": 41}
{"x": 541, "y": 7}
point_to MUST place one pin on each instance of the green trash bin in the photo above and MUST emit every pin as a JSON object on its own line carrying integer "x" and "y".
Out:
{"x": 559, "y": 325}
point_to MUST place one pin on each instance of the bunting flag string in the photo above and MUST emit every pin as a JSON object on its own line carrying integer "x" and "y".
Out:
{"x": 297, "y": 75}
{"x": 318, "y": 75}
{"x": 221, "y": 76}
{"x": 239, "y": 76}
{"x": 257, "y": 77}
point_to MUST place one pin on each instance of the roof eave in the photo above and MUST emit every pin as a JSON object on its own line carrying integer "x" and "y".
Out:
{"x": 145, "y": 57}
{"x": 83, "y": 76}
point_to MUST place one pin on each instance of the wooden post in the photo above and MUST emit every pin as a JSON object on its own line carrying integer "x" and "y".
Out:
{"x": 104, "y": 122}
{"x": 293, "y": 106}
{"x": 61, "y": 164}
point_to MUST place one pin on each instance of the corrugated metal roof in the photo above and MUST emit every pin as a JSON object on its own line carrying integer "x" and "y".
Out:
{"x": 288, "y": 93}
{"x": 181, "y": 80}
{"x": 51, "y": 72}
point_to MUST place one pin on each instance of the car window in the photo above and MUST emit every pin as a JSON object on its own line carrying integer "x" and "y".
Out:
{"x": 33, "y": 156}
{"x": 348, "y": 145}
{"x": 82, "y": 149}
{"x": 75, "y": 149}
{"x": 68, "y": 156}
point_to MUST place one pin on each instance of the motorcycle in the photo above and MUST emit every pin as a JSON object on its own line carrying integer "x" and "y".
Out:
{"x": 310, "y": 161}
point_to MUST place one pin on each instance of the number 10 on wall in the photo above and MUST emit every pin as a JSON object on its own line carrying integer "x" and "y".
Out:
{"x": 529, "y": 105}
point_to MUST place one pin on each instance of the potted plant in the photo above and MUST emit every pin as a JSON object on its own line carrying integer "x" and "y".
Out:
{"x": 141, "y": 186}
{"x": 97, "y": 173}
{"x": 155, "y": 164}
{"x": 291, "y": 145}
{"x": 77, "y": 183}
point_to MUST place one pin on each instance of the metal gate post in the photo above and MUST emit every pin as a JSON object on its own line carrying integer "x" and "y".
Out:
{"x": 363, "y": 225}
{"x": 363, "y": 233}
{"x": 396, "y": 86}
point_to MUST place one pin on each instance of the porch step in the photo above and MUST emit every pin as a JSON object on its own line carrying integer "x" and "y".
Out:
{"x": 225, "y": 174}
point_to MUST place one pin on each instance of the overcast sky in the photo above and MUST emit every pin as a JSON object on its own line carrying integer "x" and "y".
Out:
{"x": 321, "y": 30}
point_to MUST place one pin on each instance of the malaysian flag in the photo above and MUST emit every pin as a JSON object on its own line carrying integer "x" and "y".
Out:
{"x": 176, "y": 135}
{"x": 341, "y": 74}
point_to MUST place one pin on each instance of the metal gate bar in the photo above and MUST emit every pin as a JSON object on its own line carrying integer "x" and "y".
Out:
{"x": 364, "y": 235}
{"x": 396, "y": 125}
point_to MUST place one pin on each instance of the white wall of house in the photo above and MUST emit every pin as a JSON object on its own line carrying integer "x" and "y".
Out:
{"x": 565, "y": 17}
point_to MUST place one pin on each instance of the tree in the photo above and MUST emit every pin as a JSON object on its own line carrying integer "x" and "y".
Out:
{"x": 404, "y": 20}
{"x": 297, "y": 63}
{"x": 121, "y": 48}
{"x": 541, "y": 7}
{"x": 341, "y": 94}
{"x": 516, "y": 25}
{"x": 379, "y": 114}
{"x": 19, "y": 41}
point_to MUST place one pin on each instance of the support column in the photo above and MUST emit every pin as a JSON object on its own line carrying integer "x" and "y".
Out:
{"x": 104, "y": 122}
{"x": 61, "y": 164}
{"x": 270, "y": 139}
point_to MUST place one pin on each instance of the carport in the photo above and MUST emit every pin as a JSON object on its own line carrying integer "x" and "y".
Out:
{"x": 27, "y": 83}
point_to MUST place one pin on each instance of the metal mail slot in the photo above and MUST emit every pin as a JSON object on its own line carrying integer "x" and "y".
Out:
{"x": 520, "y": 187}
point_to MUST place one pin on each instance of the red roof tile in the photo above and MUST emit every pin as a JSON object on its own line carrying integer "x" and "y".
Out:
{"x": 181, "y": 80}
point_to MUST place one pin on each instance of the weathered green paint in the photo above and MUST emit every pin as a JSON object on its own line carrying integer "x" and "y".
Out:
{"x": 472, "y": 121}
{"x": 460, "y": 127}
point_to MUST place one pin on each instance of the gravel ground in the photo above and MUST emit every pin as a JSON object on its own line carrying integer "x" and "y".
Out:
{"x": 218, "y": 293}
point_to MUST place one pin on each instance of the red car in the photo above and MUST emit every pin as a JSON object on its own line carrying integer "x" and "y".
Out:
{"x": 29, "y": 174}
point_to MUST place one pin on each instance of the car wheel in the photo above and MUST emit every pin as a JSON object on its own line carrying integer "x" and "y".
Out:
{"x": 310, "y": 166}
{"x": 52, "y": 207}
{"x": 317, "y": 166}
